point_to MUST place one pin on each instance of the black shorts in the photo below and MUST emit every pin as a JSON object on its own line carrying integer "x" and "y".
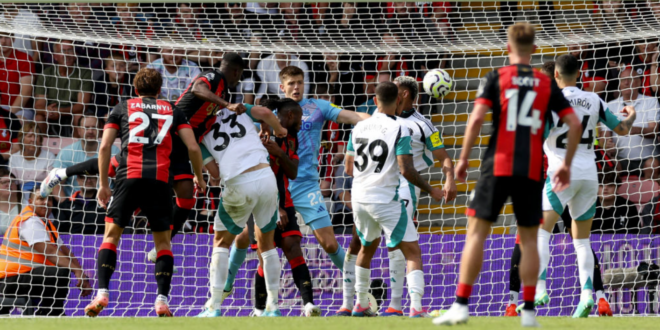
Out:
{"x": 291, "y": 229}
{"x": 492, "y": 192}
{"x": 180, "y": 167}
{"x": 153, "y": 197}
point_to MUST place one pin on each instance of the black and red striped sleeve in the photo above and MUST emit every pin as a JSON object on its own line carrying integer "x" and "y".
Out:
{"x": 487, "y": 93}
{"x": 558, "y": 103}
{"x": 114, "y": 119}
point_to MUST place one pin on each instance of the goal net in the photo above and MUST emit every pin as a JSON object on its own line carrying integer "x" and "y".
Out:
{"x": 65, "y": 66}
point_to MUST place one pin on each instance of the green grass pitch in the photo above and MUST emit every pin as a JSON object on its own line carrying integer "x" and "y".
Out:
{"x": 326, "y": 323}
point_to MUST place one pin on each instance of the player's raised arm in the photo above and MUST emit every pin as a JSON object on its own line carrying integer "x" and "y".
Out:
{"x": 351, "y": 117}
{"x": 264, "y": 114}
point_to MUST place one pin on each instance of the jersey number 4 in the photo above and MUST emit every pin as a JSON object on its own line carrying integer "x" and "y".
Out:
{"x": 380, "y": 159}
{"x": 522, "y": 118}
{"x": 132, "y": 134}
{"x": 226, "y": 138}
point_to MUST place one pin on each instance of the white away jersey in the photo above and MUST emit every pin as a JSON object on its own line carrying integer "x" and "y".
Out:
{"x": 424, "y": 136}
{"x": 234, "y": 143}
{"x": 375, "y": 143}
{"x": 591, "y": 110}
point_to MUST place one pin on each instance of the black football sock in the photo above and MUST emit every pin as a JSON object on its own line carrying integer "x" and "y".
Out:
{"x": 260, "y": 293}
{"x": 302, "y": 279}
{"x": 180, "y": 213}
{"x": 88, "y": 167}
{"x": 106, "y": 263}
{"x": 514, "y": 274}
{"x": 164, "y": 268}
{"x": 598, "y": 279}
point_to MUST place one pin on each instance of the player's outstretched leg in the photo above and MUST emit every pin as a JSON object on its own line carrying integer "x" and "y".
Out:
{"x": 290, "y": 245}
{"x": 106, "y": 263}
{"x": 348, "y": 274}
{"x": 219, "y": 269}
{"x": 585, "y": 257}
{"x": 514, "y": 281}
{"x": 271, "y": 264}
{"x": 471, "y": 261}
{"x": 57, "y": 175}
{"x": 163, "y": 271}
{"x": 603, "y": 305}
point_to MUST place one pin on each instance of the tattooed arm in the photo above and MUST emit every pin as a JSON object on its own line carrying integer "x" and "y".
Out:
{"x": 410, "y": 173}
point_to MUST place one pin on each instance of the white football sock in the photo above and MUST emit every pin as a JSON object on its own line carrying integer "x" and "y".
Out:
{"x": 397, "y": 274}
{"x": 362, "y": 277}
{"x": 585, "y": 260}
{"x": 543, "y": 245}
{"x": 219, "y": 270}
{"x": 272, "y": 269}
{"x": 513, "y": 297}
{"x": 416, "y": 289}
{"x": 103, "y": 292}
{"x": 349, "y": 281}
{"x": 600, "y": 294}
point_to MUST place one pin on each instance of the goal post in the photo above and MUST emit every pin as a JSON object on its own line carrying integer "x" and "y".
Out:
{"x": 345, "y": 48}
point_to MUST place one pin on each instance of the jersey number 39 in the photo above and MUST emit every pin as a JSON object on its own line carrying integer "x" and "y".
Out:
{"x": 380, "y": 159}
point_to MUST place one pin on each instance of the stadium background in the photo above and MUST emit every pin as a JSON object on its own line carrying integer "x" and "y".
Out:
{"x": 347, "y": 47}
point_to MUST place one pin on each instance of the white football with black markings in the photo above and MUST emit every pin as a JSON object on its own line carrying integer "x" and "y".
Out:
{"x": 437, "y": 83}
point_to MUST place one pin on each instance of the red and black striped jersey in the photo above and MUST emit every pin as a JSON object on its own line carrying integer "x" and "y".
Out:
{"x": 520, "y": 98}
{"x": 199, "y": 112}
{"x": 290, "y": 146}
{"x": 146, "y": 127}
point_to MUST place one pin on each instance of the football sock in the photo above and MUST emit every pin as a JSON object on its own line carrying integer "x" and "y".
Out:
{"x": 164, "y": 267}
{"x": 219, "y": 262}
{"x": 463, "y": 292}
{"x": 302, "y": 279}
{"x": 272, "y": 274}
{"x": 348, "y": 285}
{"x": 585, "y": 260}
{"x": 598, "y": 278}
{"x": 514, "y": 276}
{"x": 88, "y": 167}
{"x": 416, "y": 289}
{"x": 543, "y": 245}
{"x": 236, "y": 258}
{"x": 337, "y": 257}
{"x": 362, "y": 277}
{"x": 106, "y": 263}
{"x": 260, "y": 292}
{"x": 397, "y": 274}
{"x": 528, "y": 297}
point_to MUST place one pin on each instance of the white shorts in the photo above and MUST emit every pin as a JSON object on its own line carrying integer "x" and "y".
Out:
{"x": 249, "y": 193}
{"x": 392, "y": 218}
{"x": 580, "y": 197}
{"x": 409, "y": 194}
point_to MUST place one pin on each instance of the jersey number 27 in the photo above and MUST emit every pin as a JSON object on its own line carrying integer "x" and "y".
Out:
{"x": 132, "y": 134}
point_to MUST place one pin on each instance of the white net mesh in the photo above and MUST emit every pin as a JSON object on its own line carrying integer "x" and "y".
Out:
{"x": 63, "y": 61}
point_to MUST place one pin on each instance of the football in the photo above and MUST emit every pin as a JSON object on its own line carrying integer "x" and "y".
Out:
{"x": 437, "y": 83}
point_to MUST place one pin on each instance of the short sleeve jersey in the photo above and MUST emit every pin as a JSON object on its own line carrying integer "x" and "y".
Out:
{"x": 591, "y": 110}
{"x": 375, "y": 143}
{"x": 234, "y": 143}
{"x": 315, "y": 113}
{"x": 520, "y": 98}
{"x": 9, "y": 128}
{"x": 146, "y": 127}
{"x": 424, "y": 136}
{"x": 201, "y": 114}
